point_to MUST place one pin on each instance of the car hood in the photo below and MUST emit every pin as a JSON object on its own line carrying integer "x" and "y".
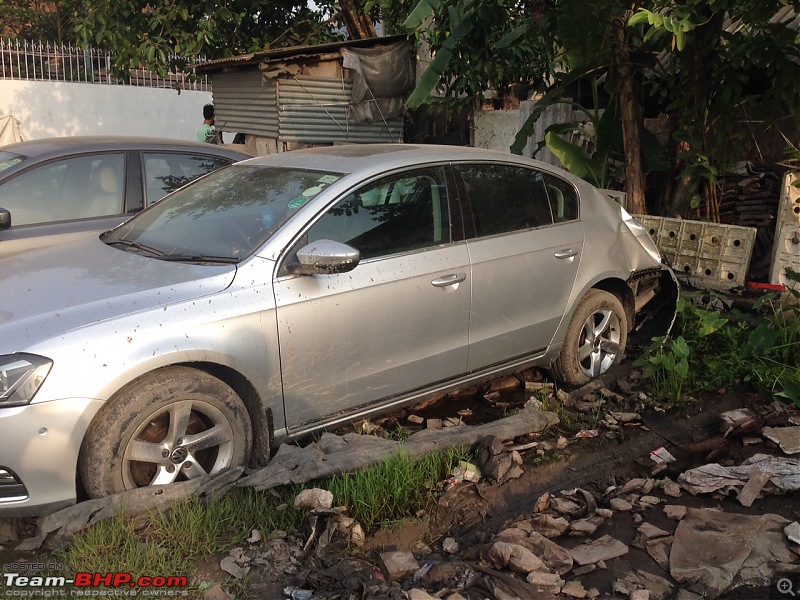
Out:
{"x": 55, "y": 290}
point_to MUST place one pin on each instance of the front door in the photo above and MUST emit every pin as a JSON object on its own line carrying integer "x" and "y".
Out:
{"x": 399, "y": 321}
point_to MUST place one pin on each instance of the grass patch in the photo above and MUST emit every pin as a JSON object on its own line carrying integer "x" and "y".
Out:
{"x": 170, "y": 541}
{"x": 396, "y": 488}
{"x": 116, "y": 545}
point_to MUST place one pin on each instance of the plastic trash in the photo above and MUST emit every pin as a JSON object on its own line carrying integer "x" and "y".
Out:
{"x": 422, "y": 571}
{"x": 298, "y": 593}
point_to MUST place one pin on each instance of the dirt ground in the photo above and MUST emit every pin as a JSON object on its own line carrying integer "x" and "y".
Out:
{"x": 455, "y": 540}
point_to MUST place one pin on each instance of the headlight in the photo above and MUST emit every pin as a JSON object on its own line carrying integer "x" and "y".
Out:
{"x": 21, "y": 376}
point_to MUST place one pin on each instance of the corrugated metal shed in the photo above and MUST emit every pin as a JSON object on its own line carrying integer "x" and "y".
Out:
{"x": 245, "y": 104}
{"x": 295, "y": 96}
{"x": 313, "y": 110}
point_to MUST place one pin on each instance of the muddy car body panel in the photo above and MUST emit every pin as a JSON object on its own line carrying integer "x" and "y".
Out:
{"x": 297, "y": 291}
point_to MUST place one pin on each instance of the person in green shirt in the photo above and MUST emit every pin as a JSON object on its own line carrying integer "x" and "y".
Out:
{"x": 207, "y": 132}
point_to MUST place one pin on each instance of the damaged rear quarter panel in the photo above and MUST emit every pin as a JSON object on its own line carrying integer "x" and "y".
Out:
{"x": 612, "y": 254}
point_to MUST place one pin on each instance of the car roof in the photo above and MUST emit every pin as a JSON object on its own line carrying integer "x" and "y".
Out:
{"x": 58, "y": 146}
{"x": 351, "y": 158}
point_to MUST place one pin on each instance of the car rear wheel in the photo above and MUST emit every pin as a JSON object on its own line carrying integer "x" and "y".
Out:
{"x": 595, "y": 339}
{"x": 171, "y": 425}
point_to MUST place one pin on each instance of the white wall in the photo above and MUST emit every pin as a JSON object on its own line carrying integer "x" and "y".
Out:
{"x": 50, "y": 109}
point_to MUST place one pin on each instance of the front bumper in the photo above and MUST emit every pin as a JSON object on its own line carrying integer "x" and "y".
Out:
{"x": 39, "y": 446}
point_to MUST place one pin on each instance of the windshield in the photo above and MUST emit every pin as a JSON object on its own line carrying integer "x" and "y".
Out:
{"x": 8, "y": 160}
{"x": 226, "y": 215}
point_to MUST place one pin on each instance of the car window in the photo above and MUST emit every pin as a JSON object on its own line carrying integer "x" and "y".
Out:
{"x": 73, "y": 188}
{"x": 230, "y": 213}
{"x": 8, "y": 160}
{"x": 505, "y": 198}
{"x": 563, "y": 199}
{"x": 166, "y": 172}
{"x": 395, "y": 214}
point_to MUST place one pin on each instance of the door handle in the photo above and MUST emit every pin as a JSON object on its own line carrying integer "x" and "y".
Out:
{"x": 566, "y": 253}
{"x": 451, "y": 279}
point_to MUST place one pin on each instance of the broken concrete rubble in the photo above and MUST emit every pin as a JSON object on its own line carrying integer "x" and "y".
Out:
{"x": 659, "y": 549}
{"x": 792, "y": 531}
{"x": 620, "y": 504}
{"x": 602, "y": 549}
{"x": 557, "y": 559}
{"x": 738, "y": 422}
{"x": 398, "y": 565}
{"x": 784, "y": 476}
{"x": 631, "y": 582}
{"x": 715, "y": 552}
{"x": 312, "y": 498}
{"x": 788, "y": 438}
{"x": 549, "y": 526}
{"x": 533, "y": 532}
{"x": 515, "y": 557}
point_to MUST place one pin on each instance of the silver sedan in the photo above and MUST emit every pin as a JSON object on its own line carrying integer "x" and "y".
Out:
{"x": 294, "y": 292}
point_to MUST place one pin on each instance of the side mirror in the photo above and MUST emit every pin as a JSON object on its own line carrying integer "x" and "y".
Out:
{"x": 5, "y": 219}
{"x": 325, "y": 257}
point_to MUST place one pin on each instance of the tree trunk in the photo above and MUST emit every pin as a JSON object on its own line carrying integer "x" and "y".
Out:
{"x": 359, "y": 25}
{"x": 697, "y": 63}
{"x": 631, "y": 116}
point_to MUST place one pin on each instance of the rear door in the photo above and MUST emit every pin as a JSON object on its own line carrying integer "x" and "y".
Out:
{"x": 525, "y": 247}
{"x": 397, "y": 322}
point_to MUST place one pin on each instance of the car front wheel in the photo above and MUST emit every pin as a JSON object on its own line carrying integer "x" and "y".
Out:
{"x": 170, "y": 425}
{"x": 595, "y": 339}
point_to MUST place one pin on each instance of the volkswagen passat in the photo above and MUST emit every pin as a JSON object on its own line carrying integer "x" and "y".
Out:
{"x": 293, "y": 292}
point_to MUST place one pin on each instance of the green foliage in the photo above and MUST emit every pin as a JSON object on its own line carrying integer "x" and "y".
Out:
{"x": 150, "y": 35}
{"x": 694, "y": 65}
{"x": 719, "y": 64}
{"x": 678, "y": 25}
{"x": 39, "y": 20}
{"x": 479, "y": 45}
{"x": 667, "y": 366}
{"x": 711, "y": 351}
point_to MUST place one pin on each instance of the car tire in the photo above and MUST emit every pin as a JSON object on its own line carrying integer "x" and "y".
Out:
{"x": 595, "y": 339}
{"x": 132, "y": 442}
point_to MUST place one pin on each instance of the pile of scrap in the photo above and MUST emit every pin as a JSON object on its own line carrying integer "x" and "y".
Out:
{"x": 750, "y": 198}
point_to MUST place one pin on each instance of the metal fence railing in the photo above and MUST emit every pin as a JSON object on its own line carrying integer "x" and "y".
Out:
{"x": 56, "y": 62}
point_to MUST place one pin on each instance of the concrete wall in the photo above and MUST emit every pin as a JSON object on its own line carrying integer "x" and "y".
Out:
{"x": 49, "y": 109}
{"x": 496, "y": 129}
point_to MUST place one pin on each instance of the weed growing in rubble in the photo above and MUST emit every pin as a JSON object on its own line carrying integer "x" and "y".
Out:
{"x": 708, "y": 351}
